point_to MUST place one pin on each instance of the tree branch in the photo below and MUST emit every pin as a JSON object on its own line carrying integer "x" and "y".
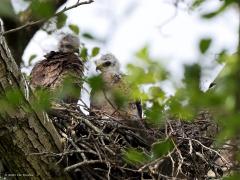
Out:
{"x": 45, "y": 19}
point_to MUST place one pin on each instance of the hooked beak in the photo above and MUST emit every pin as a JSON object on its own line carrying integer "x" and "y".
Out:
{"x": 99, "y": 67}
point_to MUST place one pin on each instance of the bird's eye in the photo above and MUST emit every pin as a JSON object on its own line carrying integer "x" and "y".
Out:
{"x": 106, "y": 64}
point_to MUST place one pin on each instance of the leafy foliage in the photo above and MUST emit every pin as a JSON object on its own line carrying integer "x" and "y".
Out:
{"x": 6, "y": 9}
{"x": 84, "y": 53}
{"x": 95, "y": 51}
{"x": 42, "y": 9}
{"x": 96, "y": 83}
{"x": 135, "y": 156}
{"x": 61, "y": 20}
{"x": 160, "y": 149}
{"x": 204, "y": 44}
{"x": 88, "y": 36}
{"x": 31, "y": 58}
{"x": 43, "y": 100}
{"x": 74, "y": 28}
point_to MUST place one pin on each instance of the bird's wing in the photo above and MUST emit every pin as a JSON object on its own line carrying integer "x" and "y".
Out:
{"x": 48, "y": 71}
{"x": 139, "y": 108}
{"x": 123, "y": 85}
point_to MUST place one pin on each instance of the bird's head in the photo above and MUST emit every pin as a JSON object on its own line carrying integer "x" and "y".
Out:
{"x": 69, "y": 43}
{"x": 108, "y": 63}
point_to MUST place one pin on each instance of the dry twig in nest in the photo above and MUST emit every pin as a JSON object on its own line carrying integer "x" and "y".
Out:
{"x": 94, "y": 147}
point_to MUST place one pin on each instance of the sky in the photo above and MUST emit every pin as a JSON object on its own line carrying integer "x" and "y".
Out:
{"x": 126, "y": 26}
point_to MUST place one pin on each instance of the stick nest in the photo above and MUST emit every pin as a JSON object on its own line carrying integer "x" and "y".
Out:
{"x": 95, "y": 147}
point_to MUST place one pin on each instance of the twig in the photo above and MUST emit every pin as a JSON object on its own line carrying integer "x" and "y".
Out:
{"x": 45, "y": 19}
{"x": 78, "y": 149}
{"x": 210, "y": 149}
{"x": 72, "y": 167}
{"x": 108, "y": 149}
{"x": 96, "y": 129}
{"x": 150, "y": 163}
{"x": 88, "y": 149}
{"x": 109, "y": 171}
{"x": 190, "y": 147}
{"x": 181, "y": 160}
{"x": 173, "y": 162}
{"x": 61, "y": 154}
{"x": 98, "y": 153}
{"x": 168, "y": 20}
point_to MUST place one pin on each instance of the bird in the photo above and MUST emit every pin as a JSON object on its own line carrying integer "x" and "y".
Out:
{"x": 104, "y": 101}
{"x": 60, "y": 68}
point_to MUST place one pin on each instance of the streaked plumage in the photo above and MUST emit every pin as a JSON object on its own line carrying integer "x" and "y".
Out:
{"x": 103, "y": 101}
{"x": 51, "y": 72}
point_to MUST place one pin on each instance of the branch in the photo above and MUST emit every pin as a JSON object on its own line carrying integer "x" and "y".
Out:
{"x": 45, "y": 19}
{"x": 84, "y": 163}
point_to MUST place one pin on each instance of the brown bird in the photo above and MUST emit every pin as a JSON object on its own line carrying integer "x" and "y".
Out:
{"x": 61, "y": 70}
{"x": 106, "y": 100}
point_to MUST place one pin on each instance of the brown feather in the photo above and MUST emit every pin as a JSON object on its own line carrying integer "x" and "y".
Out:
{"x": 50, "y": 72}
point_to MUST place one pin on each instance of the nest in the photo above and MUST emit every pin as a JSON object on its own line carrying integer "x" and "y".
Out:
{"x": 95, "y": 147}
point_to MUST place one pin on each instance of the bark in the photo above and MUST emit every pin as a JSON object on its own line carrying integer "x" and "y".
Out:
{"x": 24, "y": 131}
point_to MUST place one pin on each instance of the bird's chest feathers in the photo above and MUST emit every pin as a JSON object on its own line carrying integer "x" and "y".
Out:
{"x": 113, "y": 82}
{"x": 115, "y": 86}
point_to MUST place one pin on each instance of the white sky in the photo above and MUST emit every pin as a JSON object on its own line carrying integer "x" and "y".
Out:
{"x": 129, "y": 25}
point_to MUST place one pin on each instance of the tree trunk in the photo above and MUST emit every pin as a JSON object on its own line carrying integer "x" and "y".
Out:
{"x": 23, "y": 130}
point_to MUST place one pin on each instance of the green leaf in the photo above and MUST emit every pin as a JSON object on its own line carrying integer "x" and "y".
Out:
{"x": 160, "y": 149}
{"x": 219, "y": 10}
{"x": 74, "y": 28}
{"x": 95, "y": 51}
{"x": 229, "y": 127}
{"x": 14, "y": 97}
{"x": 33, "y": 56}
{"x": 120, "y": 99}
{"x": 135, "y": 156}
{"x": 42, "y": 101}
{"x": 61, "y": 20}
{"x": 137, "y": 74}
{"x": 197, "y": 3}
{"x": 88, "y": 36}
{"x": 234, "y": 176}
{"x": 157, "y": 92}
{"x": 96, "y": 83}
{"x": 84, "y": 53}
{"x": 204, "y": 45}
{"x": 42, "y": 9}
{"x": 210, "y": 15}
{"x": 6, "y": 9}
{"x": 70, "y": 88}
{"x": 155, "y": 114}
{"x": 143, "y": 53}
{"x": 192, "y": 76}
